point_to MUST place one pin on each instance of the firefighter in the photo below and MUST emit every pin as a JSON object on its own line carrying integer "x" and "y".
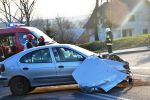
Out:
{"x": 109, "y": 39}
{"x": 28, "y": 43}
{"x": 41, "y": 41}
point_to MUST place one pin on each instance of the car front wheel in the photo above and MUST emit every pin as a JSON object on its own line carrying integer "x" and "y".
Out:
{"x": 19, "y": 86}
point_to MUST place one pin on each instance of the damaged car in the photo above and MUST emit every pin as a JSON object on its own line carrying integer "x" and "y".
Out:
{"x": 56, "y": 64}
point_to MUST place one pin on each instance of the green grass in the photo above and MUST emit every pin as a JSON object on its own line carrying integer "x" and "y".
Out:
{"x": 118, "y": 44}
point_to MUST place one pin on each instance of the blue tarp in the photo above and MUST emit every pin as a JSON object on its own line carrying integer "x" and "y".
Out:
{"x": 96, "y": 72}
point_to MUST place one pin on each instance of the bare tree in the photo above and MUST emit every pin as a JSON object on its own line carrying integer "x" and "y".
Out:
{"x": 5, "y": 10}
{"x": 96, "y": 21}
{"x": 63, "y": 25}
{"x": 22, "y": 11}
{"x": 60, "y": 29}
{"x": 26, "y": 8}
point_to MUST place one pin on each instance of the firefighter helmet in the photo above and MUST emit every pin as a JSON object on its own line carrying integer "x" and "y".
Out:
{"x": 108, "y": 30}
{"x": 41, "y": 38}
{"x": 30, "y": 37}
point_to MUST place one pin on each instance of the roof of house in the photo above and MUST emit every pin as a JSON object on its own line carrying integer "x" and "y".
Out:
{"x": 129, "y": 4}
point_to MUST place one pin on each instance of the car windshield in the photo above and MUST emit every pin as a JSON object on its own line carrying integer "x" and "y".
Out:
{"x": 39, "y": 33}
{"x": 84, "y": 51}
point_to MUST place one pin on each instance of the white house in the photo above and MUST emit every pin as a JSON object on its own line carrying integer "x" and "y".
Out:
{"x": 125, "y": 17}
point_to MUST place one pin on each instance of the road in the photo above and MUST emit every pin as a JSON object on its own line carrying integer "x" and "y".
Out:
{"x": 140, "y": 90}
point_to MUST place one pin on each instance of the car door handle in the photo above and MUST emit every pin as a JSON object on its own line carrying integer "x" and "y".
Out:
{"x": 25, "y": 68}
{"x": 60, "y": 66}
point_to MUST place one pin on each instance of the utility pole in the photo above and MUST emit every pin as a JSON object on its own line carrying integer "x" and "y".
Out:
{"x": 96, "y": 21}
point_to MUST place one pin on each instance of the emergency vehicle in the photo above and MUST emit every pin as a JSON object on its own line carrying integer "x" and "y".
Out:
{"x": 12, "y": 39}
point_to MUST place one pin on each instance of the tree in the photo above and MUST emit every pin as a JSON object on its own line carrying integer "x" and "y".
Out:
{"x": 26, "y": 9}
{"x": 60, "y": 29}
{"x": 5, "y": 10}
{"x": 96, "y": 21}
{"x": 45, "y": 25}
{"x": 64, "y": 33}
{"x": 17, "y": 11}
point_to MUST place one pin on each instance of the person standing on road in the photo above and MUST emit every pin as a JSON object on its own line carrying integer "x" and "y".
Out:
{"x": 109, "y": 39}
{"x": 28, "y": 43}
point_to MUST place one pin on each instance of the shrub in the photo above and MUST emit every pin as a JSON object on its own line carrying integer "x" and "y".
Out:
{"x": 93, "y": 46}
{"x": 122, "y": 43}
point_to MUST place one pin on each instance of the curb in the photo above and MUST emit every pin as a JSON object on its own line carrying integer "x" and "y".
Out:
{"x": 128, "y": 51}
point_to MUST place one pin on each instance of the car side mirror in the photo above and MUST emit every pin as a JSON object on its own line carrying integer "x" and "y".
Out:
{"x": 81, "y": 59}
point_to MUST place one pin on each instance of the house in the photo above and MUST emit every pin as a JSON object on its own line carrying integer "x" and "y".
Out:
{"x": 76, "y": 34}
{"x": 124, "y": 17}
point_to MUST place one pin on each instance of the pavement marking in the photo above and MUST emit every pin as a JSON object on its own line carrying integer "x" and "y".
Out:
{"x": 100, "y": 97}
{"x": 141, "y": 75}
{"x": 139, "y": 67}
{"x": 113, "y": 97}
{"x": 106, "y": 96}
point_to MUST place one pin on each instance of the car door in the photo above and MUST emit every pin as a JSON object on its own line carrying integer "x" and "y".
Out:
{"x": 67, "y": 61}
{"x": 39, "y": 67}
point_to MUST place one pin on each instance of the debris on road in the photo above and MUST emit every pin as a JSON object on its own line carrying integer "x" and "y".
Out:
{"x": 96, "y": 73}
{"x": 141, "y": 82}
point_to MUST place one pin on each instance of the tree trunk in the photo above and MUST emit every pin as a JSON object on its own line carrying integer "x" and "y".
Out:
{"x": 96, "y": 21}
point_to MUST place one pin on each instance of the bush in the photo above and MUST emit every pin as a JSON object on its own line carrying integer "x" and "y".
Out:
{"x": 93, "y": 46}
{"x": 123, "y": 43}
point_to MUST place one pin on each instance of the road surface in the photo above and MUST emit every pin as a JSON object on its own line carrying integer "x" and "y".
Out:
{"x": 140, "y": 90}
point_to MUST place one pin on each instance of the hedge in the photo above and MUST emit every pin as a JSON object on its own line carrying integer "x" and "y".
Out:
{"x": 118, "y": 44}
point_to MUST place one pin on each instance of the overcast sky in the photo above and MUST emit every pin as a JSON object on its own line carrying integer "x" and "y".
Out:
{"x": 63, "y": 8}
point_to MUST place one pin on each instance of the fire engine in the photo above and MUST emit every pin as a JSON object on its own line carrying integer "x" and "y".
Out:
{"x": 12, "y": 39}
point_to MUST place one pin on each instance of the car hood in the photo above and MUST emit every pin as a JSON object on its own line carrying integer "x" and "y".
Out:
{"x": 115, "y": 64}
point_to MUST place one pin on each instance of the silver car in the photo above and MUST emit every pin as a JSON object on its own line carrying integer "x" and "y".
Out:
{"x": 40, "y": 66}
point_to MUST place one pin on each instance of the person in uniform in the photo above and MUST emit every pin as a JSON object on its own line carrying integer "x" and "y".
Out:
{"x": 41, "y": 41}
{"x": 28, "y": 43}
{"x": 109, "y": 39}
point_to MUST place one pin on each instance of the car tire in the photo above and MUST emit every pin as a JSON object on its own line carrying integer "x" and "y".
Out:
{"x": 19, "y": 86}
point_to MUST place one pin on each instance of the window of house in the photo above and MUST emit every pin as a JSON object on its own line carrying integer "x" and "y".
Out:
{"x": 38, "y": 56}
{"x": 145, "y": 31}
{"x": 130, "y": 32}
{"x": 126, "y": 32}
{"x": 132, "y": 18}
{"x": 66, "y": 55}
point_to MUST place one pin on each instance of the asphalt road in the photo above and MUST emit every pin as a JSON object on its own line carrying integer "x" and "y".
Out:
{"x": 140, "y": 90}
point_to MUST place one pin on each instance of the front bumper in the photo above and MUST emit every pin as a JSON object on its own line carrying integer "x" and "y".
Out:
{"x": 3, "y": 81}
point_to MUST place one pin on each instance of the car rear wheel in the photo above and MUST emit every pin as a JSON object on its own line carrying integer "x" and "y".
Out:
{"x": 19, "y": 86}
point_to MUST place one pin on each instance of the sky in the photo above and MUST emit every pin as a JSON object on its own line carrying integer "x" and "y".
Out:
{"x": 63, "y": 8}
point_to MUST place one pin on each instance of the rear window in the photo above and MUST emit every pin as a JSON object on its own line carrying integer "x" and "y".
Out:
{"x": 38, "y": 56}
{"x": 7, "y": 39}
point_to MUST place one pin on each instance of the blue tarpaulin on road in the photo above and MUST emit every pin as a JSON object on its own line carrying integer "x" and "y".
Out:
{"x": 96, "y": 72}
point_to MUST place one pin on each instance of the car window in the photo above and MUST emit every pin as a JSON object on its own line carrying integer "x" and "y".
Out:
{"x": 7, "y": 40}
{"x": 22, "y": 37}
{"x": 39, "y": 56}
{"x": 66, "y": 55}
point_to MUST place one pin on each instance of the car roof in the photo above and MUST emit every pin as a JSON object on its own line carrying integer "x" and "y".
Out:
{"x": 51, "y": 45}
{"x": 13, "y": 30}
{"x": 18, "y": 55}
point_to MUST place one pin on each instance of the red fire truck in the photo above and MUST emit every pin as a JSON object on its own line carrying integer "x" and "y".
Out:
{"x": 12, "y": 39}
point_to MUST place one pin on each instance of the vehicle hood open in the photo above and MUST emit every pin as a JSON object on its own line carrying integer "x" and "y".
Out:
{"x": 96, "y": 72}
